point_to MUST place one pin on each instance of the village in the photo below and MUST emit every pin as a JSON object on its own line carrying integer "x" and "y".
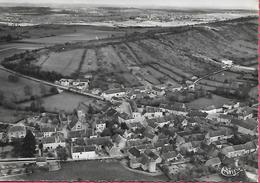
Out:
{"x": 167, "y": 139}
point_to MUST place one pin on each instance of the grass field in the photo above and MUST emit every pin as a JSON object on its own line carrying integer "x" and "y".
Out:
{"x": 91, "y": 171}
{"x": 79, "y": 35}
{"x": 65, "y": 63}
{"x": 15, "y": 91}
{"x": 11, "y": 116}
{"x": 168, "y": 57}
{"x": 202, "y": 103}
{"x": 66, "y": 101}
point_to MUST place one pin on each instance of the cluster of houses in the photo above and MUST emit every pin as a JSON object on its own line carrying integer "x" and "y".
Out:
{"x": 80, "y": 84}
{"x": 149, "y": 137}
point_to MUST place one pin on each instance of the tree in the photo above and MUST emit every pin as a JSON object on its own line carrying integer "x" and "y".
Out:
{"x": 29, "y": 145}
{"x": 62, "y": 153}
{"x": 27, "y": 90}
{"x": 1, "y": 97}
{"x": 43, "y": 89}
{"x": 53, "y": 90}
{"x": 90, "y": 109}
{"x": 13, "y": 78}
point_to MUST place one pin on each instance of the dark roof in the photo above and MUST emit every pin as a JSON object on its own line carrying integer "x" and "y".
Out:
{"x": 169, "y": 155}
{"x": 112, "y": 91}
{"x": 151, "y": 154}
{"x": 144, "y": 159}
{"x": 98, "y": 141}
{"x": 48, "y": 140}
{"x": 176, "y": 106}
{"x": 244, "y": 124}
{"x": 135, "y": 152}
{"x": 81, "y": 133}
{"x": 166, "y": 149}
{"x": 225, "y": 132}
{"x": 124, "y": 116}
{"x": 17, "y": 128}
{"x": 111, "y": 112}
{"x": 48, "y": 129}
{"x": 74, "y": 120}
{"x": 77, "y": 149}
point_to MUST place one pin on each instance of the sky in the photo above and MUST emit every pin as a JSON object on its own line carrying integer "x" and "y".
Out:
{"x": 222, "y": 4}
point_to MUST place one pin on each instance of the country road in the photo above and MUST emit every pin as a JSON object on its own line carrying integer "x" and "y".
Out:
{"x": 52, "y": 84}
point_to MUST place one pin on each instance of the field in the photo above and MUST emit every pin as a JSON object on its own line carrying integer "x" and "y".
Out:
{"x": 15, "y": 92}
{"x": 65, "y": 63}
{"x": 167, "y": 55}
{"x": 80, "y": 34}
{"x": 202, "y": 103}
{"x": 91, "y": 171}
{"x": 11, "y": 116}
{"x": 8, "y": 49}
{"x": 66, "y": 101}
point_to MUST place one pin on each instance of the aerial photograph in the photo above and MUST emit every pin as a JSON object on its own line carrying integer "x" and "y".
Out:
{"x": 129, "y": 90}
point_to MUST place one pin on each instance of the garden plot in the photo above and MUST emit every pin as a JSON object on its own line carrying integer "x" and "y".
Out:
{"x": 14, "y": 91}
{"x": 90, "y": 62}
{"x": 125, "y": 55}
{"x": 64, "y": 63}
{"x": 112, "y": 59}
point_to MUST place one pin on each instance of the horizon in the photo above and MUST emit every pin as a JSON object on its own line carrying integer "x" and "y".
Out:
{"x": 184, "y": 4}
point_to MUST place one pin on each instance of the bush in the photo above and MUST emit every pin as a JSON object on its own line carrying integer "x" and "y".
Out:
{"x": 13, "y": 78}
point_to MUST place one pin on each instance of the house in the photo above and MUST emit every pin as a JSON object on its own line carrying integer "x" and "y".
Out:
{"x": 151, "y": 137}
{"x": 100, "y": 126}
{"x": 135, "y": 126}
{"x": 212, "y": 110}
{"x": 171, "y": 156}
{"x": 245, "y": 113}
{"x": 124, "y": 118}
{"x": 214, "y": 163}
{"x": 193, "y": 146}
{"x": 119, "y": 141}
{"x": 51, "y": 143}
{"x": 98, "y": 141}
{"x": 249, "y": 126}
{"x": 80, "y": 134}
{"x": 167, "y": 148}
{"x": 16, "y": 132}
{"x": 240, "y": 150}
{"x": 219, "y": 135}
{"x": 109, "y": 94}
{"x": 125, "y": 107}
{"x": 152, "y": 112}
{"x": 147, "y": 164}
{"x": 153, "y": 156}
{"x": 224, "y": 118}
{"x": 231, "y": 105}
{"x": 158, "y": 91}
{"x": 76, "y": 124}
{"x": 133, "y": 153}
{"x": 83, "y": 152}
{"x": 48, "y": 131}
{"x": 176, "y": 108}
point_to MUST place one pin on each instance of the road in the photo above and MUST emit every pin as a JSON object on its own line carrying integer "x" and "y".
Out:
{"x": 53, "y": 84}
{"x": 208, "y": 75}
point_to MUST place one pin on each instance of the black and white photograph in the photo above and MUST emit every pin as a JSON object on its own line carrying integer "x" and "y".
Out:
{"x": 129, "y": 90}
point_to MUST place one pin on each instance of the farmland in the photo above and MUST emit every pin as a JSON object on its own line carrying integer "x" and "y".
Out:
{"x": 160, "y": 56}
{"x": 202, "y": 103}
{"x": 15, "y": 91}
{"x": 66, "y": 101}
{"x": 11, "y": 116}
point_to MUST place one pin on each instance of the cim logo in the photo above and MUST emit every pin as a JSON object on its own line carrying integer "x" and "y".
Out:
{"x": 230, "y": 172}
